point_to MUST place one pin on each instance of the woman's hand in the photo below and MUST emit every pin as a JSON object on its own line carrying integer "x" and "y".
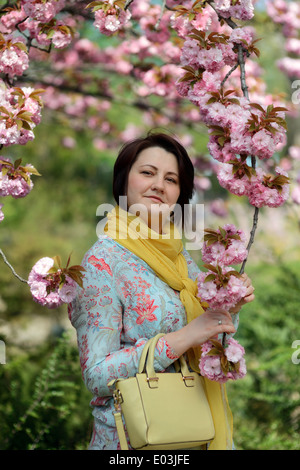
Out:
{"x": 208, "y": 325}
{"x": 249, "y": 297}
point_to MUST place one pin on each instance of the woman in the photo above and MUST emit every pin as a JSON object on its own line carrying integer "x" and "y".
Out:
{"x": 139, "y": 281}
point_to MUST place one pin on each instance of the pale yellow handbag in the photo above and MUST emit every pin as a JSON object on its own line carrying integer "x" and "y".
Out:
{"x": 162, "y": 410}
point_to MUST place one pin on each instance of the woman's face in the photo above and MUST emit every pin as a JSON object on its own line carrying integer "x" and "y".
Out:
{"x": 153, "y": 184}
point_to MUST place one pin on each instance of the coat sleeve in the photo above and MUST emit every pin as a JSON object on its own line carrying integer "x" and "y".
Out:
{"x": 96, "y": 314}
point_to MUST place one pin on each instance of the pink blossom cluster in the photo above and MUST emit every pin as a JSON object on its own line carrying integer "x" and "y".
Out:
{"x": 237, "y": 127}
{"x": 13, "y": 55}
{"x": 15, "y": 180}
{"x": 42, "y": 11}
{"x": 226, "y": 246}
{"x": 148, "y": 22}
{"x": 241, "y": 9}
{"x": 49, "y": 288}
{"x": 214, "y": 53}
{"x": 19, "y": 114}
{"x": 234, "y": 124}
{"x": 224, "y": 291}
{"x": 223, "y": 364}
{"x": 36, "y": 19}
{"x": 110, "y": 18}
{"x": 204, "y": 60}
{"x": 288, "y": 15}
{"x": 269, "y": 190}
{"x": 290, "y": 66}
{"x": 159, "y": 80}
{"x": 262, "y": 189}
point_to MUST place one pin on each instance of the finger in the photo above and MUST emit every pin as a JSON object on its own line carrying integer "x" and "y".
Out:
{"x": 249, "y": 291}
{"x": 249, "y": 298}
{"x": 229, "y": 329}
{"x": 224, "y": 320}
{"x": 247, "y": 281}
{"x": 216, "y": 311}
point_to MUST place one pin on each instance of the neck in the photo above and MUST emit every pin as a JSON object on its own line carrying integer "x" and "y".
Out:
{"x": 156, "y": 221}
{"x": 156, "y": 224}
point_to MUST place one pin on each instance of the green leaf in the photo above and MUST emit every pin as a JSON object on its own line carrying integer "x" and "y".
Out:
{"x": 26, "y": 125}
{"x": 211, "y": 268}
{"x": 257, "y": 106}
{"x": 17, "y": 163}
{"x": 210, "y": 277}
{"x": 57, "y": 260}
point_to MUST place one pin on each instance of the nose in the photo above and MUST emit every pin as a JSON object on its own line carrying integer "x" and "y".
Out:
{"x": 158, "y": 184}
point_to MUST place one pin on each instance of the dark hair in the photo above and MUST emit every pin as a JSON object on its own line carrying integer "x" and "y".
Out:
{"x": 130, "y": 151}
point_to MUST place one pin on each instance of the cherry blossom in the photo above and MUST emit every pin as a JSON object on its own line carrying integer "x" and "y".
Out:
{"x": 269, "y": 190}
{"x": 13, "y": 55}
{"x": 220, "y": 363}
{"x": 40, "y": 10}
{"x": 226, "y": 245}
{"x": 15, "y": 179}
{"x": 220, "y": 286}
{"x": 51, "y": 285}
{"x": 109, "y": 17}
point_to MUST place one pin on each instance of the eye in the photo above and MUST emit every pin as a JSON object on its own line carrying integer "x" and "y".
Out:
{"x": 145, "y": 172}
{"x": 172, "y": 180}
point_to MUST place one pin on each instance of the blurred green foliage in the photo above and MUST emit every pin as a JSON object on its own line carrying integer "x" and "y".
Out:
{"x": 266, "y": 403}
{"x": 44, "y": 404}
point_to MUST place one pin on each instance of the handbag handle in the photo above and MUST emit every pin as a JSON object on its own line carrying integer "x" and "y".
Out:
{"x": 147, "y": 362}
{"x": 146, "y": 350}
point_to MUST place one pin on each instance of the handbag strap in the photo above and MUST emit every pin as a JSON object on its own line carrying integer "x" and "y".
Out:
{"x": 120, "y": 430}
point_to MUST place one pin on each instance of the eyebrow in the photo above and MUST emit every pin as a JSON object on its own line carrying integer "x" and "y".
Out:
{"x": 155, "y": 168}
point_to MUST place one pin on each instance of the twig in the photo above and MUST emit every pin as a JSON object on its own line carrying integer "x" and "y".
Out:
{"x": 228, "y": 74}
{"x": 163, "y": 6}
{"x": 10, "y": 266}
{"x": 252, "y": 235}
{"x": 127, "y": 4}
{"x": 253, "y": 159}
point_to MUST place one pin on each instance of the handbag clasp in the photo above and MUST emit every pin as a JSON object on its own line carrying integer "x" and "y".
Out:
{"x": 152, "y": 382}
{"x": 118, "y": 399}
{"x": 188, "y": 377}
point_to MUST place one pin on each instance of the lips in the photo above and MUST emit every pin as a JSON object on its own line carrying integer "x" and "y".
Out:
{"x": 155, "y": 197}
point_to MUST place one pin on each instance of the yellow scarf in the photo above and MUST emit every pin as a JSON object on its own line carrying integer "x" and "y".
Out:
{"x": 163, "y": 253}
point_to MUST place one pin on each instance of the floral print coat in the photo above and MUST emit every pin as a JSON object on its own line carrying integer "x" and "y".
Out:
{"x": 122, "y": 304}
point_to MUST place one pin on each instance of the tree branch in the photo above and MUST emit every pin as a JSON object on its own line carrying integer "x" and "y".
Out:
{"x": 243, "y": 71}
{"x": 137, "y": 103}
{"x": 10, "y": 266}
